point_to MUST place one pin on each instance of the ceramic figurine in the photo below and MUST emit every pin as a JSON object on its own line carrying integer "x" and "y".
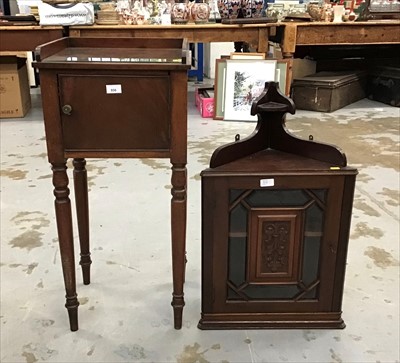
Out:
{"x": 338, "y": 13}
{"x": 276, "y": 11}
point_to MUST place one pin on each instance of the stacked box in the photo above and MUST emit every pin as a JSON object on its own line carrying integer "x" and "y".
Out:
{"x": 15, "y": 97}
{"x": 203, "y": 101}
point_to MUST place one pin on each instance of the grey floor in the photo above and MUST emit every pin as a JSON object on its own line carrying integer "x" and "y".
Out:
{"x": 125, "y": 314}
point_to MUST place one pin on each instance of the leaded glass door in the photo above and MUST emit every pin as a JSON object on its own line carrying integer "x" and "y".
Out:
{"x": 279, "y": 248}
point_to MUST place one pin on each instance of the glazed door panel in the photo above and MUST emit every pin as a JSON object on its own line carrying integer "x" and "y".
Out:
{"x": 276, "y": 247}
{"x": 115, "y": 112}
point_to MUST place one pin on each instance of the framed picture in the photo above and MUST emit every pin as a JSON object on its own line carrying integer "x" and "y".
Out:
{"x": 282, "y": 69}
{"x": 219, "y": 89}
{"x": 245, "y": 80}
{"x": 247, "y": 56}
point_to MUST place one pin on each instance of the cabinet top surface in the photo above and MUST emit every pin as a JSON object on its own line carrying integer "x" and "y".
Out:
{"x": 277, "y": 162}
{"x": 69, "y": 52}
{"x": 116, "y": 55}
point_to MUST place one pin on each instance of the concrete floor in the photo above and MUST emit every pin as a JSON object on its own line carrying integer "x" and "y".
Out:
{"x": 125, "y": 314}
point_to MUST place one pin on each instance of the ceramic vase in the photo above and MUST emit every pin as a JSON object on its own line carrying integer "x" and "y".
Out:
{"x": 315, "y": 11}
{"x": 180, "y": 12}
{"x": 214, "y": 13}
{"x": 253, "y": 8}
{"x": 229, "y": 9}
{"x": 200, "y": 12}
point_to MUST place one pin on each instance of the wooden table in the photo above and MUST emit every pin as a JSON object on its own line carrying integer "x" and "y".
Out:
{"x": 114, "y": 98}
{"x": 256, "y": 35}
{"x": 27, "y": 38}
{"x": 349, "y": 33}
{"x": 341, "y": 34}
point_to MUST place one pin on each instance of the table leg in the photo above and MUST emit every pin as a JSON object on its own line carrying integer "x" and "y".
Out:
{"x": 82, "y": 212}
{"x": 65, "y": 238}
{"x": 178, "y": 234}
{"x": 288, "y": 47}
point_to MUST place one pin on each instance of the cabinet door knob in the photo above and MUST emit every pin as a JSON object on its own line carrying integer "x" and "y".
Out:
{"x": 67, "y": 109}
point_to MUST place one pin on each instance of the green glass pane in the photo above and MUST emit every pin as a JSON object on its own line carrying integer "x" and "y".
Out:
{"x": 311, "y": 259}
{"x": 313, "y": 294}
{"x": 237, "y": 260}
{"x": 232, "y": 295}
{"x": 238, "y": 219}
{"x": 271, "y": 292}
{"x": 314, "y": 219}
{"x": 234, "y": 194}
{"x": 277, "y": 198}
{"x": 320, "y": 193}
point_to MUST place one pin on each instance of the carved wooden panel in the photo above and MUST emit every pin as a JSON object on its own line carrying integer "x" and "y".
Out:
{"x": 273, "y": 243}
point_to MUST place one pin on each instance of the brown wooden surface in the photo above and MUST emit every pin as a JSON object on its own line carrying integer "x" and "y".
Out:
{"x": 271, "y": 133}
{"x": 338, "y": 34}
{"x": 347, "y": 33}
{"x": 95, "y": 123}
{"x": 289, "y": 270}
{"x": 343, "y": 240}
{"x": 255, "y": 34}
{"x": 98, "y": 132}
{"x": 295, "y": 34}
{"x": 82, "y": 214}
{"x": 27, "y": 38}
{"x": 13, "y": 38}
{"x": 274, "y": 245}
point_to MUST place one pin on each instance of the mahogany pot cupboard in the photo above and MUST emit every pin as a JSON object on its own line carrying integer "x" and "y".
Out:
{"x": 89, "y": 88}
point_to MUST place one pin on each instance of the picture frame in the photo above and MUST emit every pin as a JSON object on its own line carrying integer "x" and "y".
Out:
{"x": 247, "y": 56}
{"x": 245, "y": 80}
{"x": 219, "y": 89}
{"x": 282, "y": 77}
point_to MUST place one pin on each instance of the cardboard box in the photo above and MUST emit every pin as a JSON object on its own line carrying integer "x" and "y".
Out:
{"x": 66, "y": 14}
{"x": 204, "y": 102}
{"x": 32, "y": 73}
{"x": 274, "y": 50}
{"x": 15, "y": 97}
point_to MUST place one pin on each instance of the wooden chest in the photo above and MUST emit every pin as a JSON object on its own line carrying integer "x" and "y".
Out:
{"x": 384, "y": 85}
{"x": 275, "y": 232}
{"x": 328, "y": 91}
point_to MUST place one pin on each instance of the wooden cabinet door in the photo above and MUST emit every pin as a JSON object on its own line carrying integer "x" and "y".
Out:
{"x": 115, "y": 112}
{"x": 270, "y": 249}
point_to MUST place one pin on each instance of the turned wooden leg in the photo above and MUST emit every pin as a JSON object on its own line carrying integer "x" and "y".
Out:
{"x": 178, "y": 233}
{"x": 82, "y": 212}
{"x": 65, "y": 238}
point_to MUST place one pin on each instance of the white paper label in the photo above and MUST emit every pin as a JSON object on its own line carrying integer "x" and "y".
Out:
{"x": 267, "y": 182}
{"x": 113, "y": 88}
